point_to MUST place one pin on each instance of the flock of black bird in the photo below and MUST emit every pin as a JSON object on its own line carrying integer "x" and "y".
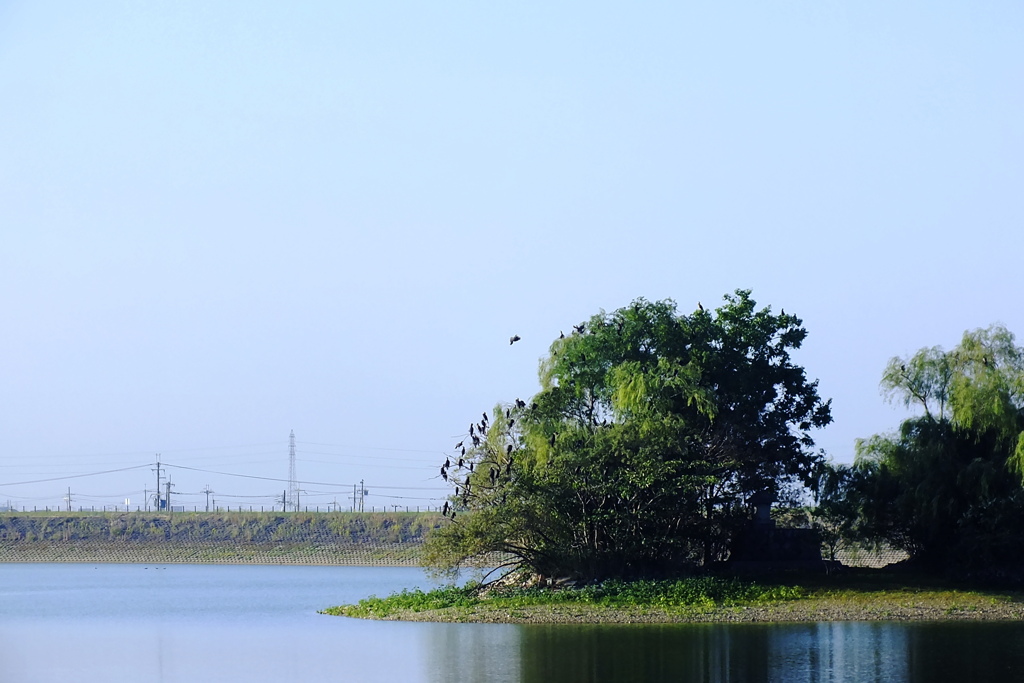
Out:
{"x": 458, "y": 473}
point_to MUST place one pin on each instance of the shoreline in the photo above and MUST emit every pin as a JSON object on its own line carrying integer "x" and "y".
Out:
{"x": 865, "y": 596}
{"x": 805, "y": 611}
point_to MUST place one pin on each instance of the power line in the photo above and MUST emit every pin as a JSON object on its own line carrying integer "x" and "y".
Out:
{"x": 73, "y": 476}
{"x": 371, "y": 448}
{"x": 315, "y": 483}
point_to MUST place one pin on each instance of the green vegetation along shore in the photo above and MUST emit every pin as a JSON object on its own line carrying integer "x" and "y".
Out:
{"x": 865, "y": 595}
{"x": 341, "y": 538}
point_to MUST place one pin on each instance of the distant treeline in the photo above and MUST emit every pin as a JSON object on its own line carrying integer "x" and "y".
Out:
{"x": 292, "y": 538}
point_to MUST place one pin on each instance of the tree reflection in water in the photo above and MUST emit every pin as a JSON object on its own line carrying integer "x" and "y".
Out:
{"x": 827, "y": 652}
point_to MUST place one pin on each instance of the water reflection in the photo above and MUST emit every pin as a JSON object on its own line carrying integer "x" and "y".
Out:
{"x": 182, "y": 624}
{"x": 792, "y": 653}
{"x": 469, "y": 653}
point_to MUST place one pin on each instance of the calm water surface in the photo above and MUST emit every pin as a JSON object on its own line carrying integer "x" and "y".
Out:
{"x": 185, "y": 623}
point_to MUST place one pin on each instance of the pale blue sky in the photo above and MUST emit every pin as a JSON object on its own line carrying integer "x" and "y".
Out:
{"x": 222, "y": 221}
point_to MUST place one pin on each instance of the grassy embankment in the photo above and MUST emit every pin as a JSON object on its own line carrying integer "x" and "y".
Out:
{"x": 853, "y": 596}
{"x": 337, "y": 538}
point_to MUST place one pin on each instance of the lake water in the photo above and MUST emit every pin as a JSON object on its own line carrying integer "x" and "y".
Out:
{"x": 190, "y": 623}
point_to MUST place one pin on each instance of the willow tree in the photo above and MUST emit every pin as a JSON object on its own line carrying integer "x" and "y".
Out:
{"x": 947, "y": 486}
{"x": 637, "y": 455}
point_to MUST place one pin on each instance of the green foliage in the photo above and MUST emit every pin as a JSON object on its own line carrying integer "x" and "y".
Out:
{"x": 650, "y": 431}
{"x": 705, "y": 592}
{"x": 409, "y": 601}
{"x": 941, "y": 487}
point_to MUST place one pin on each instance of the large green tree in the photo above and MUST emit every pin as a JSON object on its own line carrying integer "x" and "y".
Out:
{"x": 650, "y": 431}
{"x": 947, "y": 487}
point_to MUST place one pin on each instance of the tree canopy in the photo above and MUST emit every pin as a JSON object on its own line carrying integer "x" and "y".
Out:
{"x": 637, "y": 455}
{"x": 947, "y": 487}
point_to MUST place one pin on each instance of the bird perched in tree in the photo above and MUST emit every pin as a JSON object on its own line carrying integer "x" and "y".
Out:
{"x": 471, "y": 427}
{"x": 458, "y": 445}
{"x": 444, "y": 474}
{"x": 444, "y": 510}
{"x": 513, "y": 339}
{"x": 508, "y": 449}
{"x": 580, "y": 329}
{"x": 561, "y": 335}
{"x": 699, "y": 307}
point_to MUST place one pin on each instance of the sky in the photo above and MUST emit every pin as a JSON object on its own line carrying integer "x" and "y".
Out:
{"x": 220, "y": 222}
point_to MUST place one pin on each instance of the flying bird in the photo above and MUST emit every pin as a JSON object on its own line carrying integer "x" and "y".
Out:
{"x": 513, "y": 339}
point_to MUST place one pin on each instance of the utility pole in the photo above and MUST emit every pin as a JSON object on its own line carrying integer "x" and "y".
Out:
{"x": 167, "y": 498}
{"x": 158, "y": 505}
{"x": 68, "y": 499}
{"x": 362, "y": 495}
{"x": 207, "y": 491}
